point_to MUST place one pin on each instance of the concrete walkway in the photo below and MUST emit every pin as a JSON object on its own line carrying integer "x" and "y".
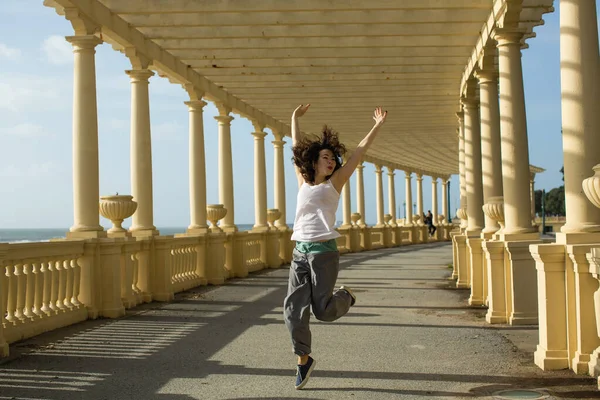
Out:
{"x": 411, "y": 335}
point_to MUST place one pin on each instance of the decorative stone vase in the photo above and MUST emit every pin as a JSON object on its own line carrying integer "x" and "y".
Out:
{"x": 441, "y": 219}
{"x": 461, "y": 213}
{"x": 387, "y": 218}
{"x": 215, "y": 213}
{"x": 273, "y": 214}
{"x": 416, "y": 219}
{"x": 355, "y": 217}
{"x": 494, "y": 209}
{"x": 117, "y": 208}
{"x": 591, "y": 187}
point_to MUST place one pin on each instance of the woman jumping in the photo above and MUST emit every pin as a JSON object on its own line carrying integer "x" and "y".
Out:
{"x": 315, "y": 261}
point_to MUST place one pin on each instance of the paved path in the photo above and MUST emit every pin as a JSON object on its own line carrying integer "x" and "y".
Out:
{"x": 410, "y": 336}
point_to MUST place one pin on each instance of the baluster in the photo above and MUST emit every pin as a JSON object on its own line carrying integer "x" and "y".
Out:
{"x": 29, "y": 290}
{"x": 46, "y": 287}
{"x": 186, "y": 263}
{"x": 177, "y": 264}
{"x": 68, "y": 270}
{"x": 21, "y": 282}
{"x": 62, "y": 282}
{"x": 11, "y": 285}
{"x": 136, "y": 271}
{"x": 39, "y": 288}
{"x": 76, "y": 282}
{"x": 4, "y": 288}
{"x": 193, "y": 260}
{"x": 54, "y": 285}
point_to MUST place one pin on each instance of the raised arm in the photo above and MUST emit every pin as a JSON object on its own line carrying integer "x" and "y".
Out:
{"x": 297, "y": 135}
{"x": 341, "y": 176}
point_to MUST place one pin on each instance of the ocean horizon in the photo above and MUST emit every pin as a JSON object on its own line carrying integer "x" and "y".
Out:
{"x": 26, "y": 235}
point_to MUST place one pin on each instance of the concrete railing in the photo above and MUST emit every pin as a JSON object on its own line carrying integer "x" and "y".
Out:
{"x": 49, "y": 285}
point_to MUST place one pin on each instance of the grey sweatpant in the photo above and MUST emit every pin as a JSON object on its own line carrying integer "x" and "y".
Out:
{"x": 311, "y": 282}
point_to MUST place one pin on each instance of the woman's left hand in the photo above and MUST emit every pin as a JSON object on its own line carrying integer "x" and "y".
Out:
{"x": 379, "y": 116}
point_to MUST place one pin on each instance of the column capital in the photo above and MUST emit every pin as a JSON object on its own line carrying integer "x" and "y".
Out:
{"x": 419, "y": 177}
{"x": 138, "y": 60}
{"x": 506, "y": 37}
{"x": 360, "y": 166}
{"x": 378, "y": 169}
{"x": 278, "y": 143}
{"x": 81, "y": 23}
{"x": 224, "y": 110}
{"x": 139, "y": 75}
{"x": 195, "y": 105}
{"x": 434, "y": 179}
{"x": 408, "y": 174}
{"x": 259, "y": 135}
{"x": 469, "y": 103}
{"x": 193, "y": 92}
{"x": 83, "y": 42}
{"x": 487, "y": 76}
{"x": 224, "y": 119}
{"x": 460, "y": 115}
{"x": 391, "y": 171}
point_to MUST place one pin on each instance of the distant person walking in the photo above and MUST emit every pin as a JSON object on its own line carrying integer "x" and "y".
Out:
{"x": 315, "y": 261}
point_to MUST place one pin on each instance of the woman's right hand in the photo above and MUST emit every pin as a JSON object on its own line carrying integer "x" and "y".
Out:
{"x": 300, "y": 110}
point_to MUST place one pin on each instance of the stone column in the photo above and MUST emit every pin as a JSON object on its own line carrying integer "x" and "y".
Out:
{"x": 461, "y": 166}
{"x": 472, "y": 156}
{"x": 260, "y": 180}
{"x": 141, "y": 153}
{"x": 434, "y": 199}
{"x": 392, "y": 197}
{"x": 513, "y": 123}
{"x": 379, "y": 193}
{"x": 420, "y": 197}
{"x": 197, "y": 168}
{"x": 491, "y": 162}
{"x": 409, "y": 213}
{"x": 580, "y": 88}
{"x": 347, "y": 206}
{"x": 86, "y": 192}
{"x": 226, "y": 168}
{"x": 360, "y": 194}
{"x": 445, "y": 199}
{"x": 279, "y": 179}
{"x": 532, "y": 195}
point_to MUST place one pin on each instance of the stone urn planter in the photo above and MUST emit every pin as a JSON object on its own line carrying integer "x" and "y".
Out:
{"x": 461, "y": 213}
{"x": 273, "y": 214}
{"x": 416, "y": 219}
{"x": 387, "y": 218}
{"x": 494, "y": 209}
{"x": 591, "y": 187}
{"x": 215, "y": 213}
{"x": 441, "y": 220}
{"x": 355, "y": 217}
{"x": 117, "y": 208}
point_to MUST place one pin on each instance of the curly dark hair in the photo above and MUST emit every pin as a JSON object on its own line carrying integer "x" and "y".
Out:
{"x": 306, "y": 152}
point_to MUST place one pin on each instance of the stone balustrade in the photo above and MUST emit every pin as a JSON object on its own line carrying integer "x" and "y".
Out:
{"x": 49, "y": 285}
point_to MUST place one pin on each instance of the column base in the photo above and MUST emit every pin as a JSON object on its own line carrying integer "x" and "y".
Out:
{"x": 580, "y": 364}
{"x": 517, "y": 237}
{"x": 494, "y": 317}
{"x": 3, "y": 350}
{"x": 549, "y": 360}
{"x": 594, "y": 364}
{"x": 144, "y": 233}
{"x": 114, "y": 312}
{"x": 86, "y": 235}
{"x": 216, "y": 281}
{"x": 577, "y": 238}
{"x": 520, "y": 318}
{"x": 163, "y": 297}
{"x": 197, "y": 231}
{"x": 229, "y": 228}
{"x": 259, "y": 229}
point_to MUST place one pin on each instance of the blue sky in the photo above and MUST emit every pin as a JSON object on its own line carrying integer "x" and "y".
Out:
{"x": 36, "y": 75}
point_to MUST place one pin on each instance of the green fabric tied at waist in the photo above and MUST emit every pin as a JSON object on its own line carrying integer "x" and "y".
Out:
{"x": 317, "y": 247}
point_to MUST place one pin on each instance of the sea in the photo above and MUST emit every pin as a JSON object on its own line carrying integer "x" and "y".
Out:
{"x": 44, "y": 235}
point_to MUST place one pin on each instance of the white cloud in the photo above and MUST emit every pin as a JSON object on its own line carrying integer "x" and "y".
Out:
{"x": 29, "y": 171}
{"x": 58, "y": 50}
{"x": 9, "y": 53}
{"x": 19, "y": 93}
{"x": 25, "y": 130}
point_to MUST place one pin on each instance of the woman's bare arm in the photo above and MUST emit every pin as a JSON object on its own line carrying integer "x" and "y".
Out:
{"x": 341, "y": 176}
{"x": 297, "y": 135}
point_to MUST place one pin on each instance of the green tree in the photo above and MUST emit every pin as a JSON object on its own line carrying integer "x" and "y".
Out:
{"x": 538, "y": 201}
{"x": 555, "y": 201}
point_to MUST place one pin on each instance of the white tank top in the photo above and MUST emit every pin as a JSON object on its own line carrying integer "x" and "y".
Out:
{"x": 315, "y": 213}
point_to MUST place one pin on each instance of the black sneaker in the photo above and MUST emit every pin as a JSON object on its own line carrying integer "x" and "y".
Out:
{"x": 304, "y": 372}
{"x": 349, "y": 291}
